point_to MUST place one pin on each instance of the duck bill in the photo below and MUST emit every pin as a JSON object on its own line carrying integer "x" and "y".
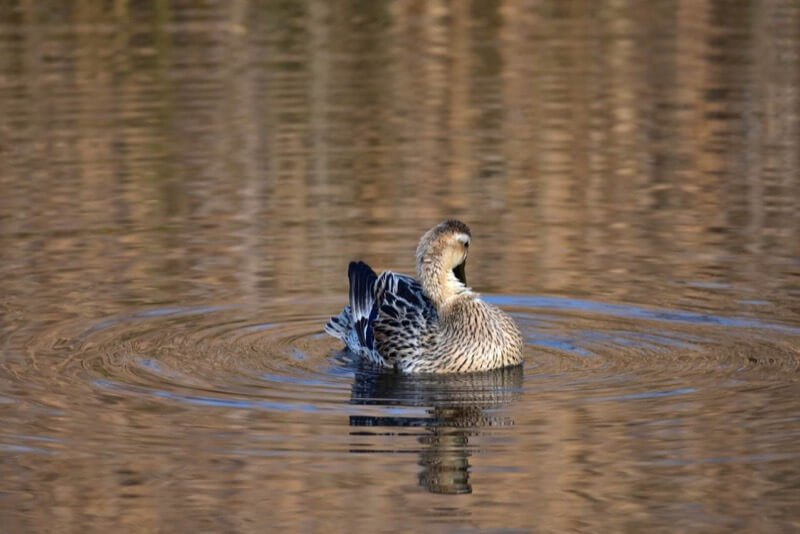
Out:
{"x": 460, "y": 272}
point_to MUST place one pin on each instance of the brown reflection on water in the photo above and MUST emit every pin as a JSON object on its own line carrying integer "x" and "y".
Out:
{"x": 587, "y": 144}
{"x": 169, "y": 154}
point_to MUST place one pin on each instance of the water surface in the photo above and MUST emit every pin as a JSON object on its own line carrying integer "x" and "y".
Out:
{"x": 182, "y": 185}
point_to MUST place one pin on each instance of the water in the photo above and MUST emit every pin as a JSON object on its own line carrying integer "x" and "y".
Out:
{"x": 183, "y": 183}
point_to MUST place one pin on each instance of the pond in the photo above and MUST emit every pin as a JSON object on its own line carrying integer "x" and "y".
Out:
{"x": 182, "y": 186}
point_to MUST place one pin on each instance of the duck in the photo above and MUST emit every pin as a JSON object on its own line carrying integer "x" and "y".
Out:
{"x": 433, "y": 323}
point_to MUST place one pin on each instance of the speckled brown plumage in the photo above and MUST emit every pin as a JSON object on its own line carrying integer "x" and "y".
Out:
{"x": 432, "y": 324}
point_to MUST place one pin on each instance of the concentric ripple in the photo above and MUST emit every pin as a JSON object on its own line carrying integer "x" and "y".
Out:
{"x": 221, "y": 356}
{"x": 277, "y": 358}
{"x": 236, "y": 381}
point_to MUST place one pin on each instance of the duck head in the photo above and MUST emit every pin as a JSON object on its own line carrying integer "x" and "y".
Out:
{"x": 441, "y": 260}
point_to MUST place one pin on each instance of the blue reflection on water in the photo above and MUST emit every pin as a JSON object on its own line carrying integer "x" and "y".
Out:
{"x": 633, "y": 312}
{"x": 645, "y": 395}
{"x": 211, "y": 401}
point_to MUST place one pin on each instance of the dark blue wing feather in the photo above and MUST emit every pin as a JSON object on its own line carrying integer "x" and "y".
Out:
{"x": 362, "y": 301}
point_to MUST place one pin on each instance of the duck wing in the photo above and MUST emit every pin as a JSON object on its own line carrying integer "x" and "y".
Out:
{"x": 402, "y": 325}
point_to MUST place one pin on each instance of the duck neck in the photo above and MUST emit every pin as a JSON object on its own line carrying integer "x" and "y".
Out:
{"x": 440, "y": 284}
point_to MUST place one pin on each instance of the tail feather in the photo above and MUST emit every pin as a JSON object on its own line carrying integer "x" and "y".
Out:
{"x": 362, "y": 300}
{"x": 339, "y": 326}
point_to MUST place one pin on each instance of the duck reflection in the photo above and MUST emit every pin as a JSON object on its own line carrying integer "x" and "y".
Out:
{"x": 458, "y": 406}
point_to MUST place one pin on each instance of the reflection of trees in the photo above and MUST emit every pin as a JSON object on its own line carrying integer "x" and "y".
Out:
{"x": 224, "y": 134}
{"x": 456, "y": 411}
